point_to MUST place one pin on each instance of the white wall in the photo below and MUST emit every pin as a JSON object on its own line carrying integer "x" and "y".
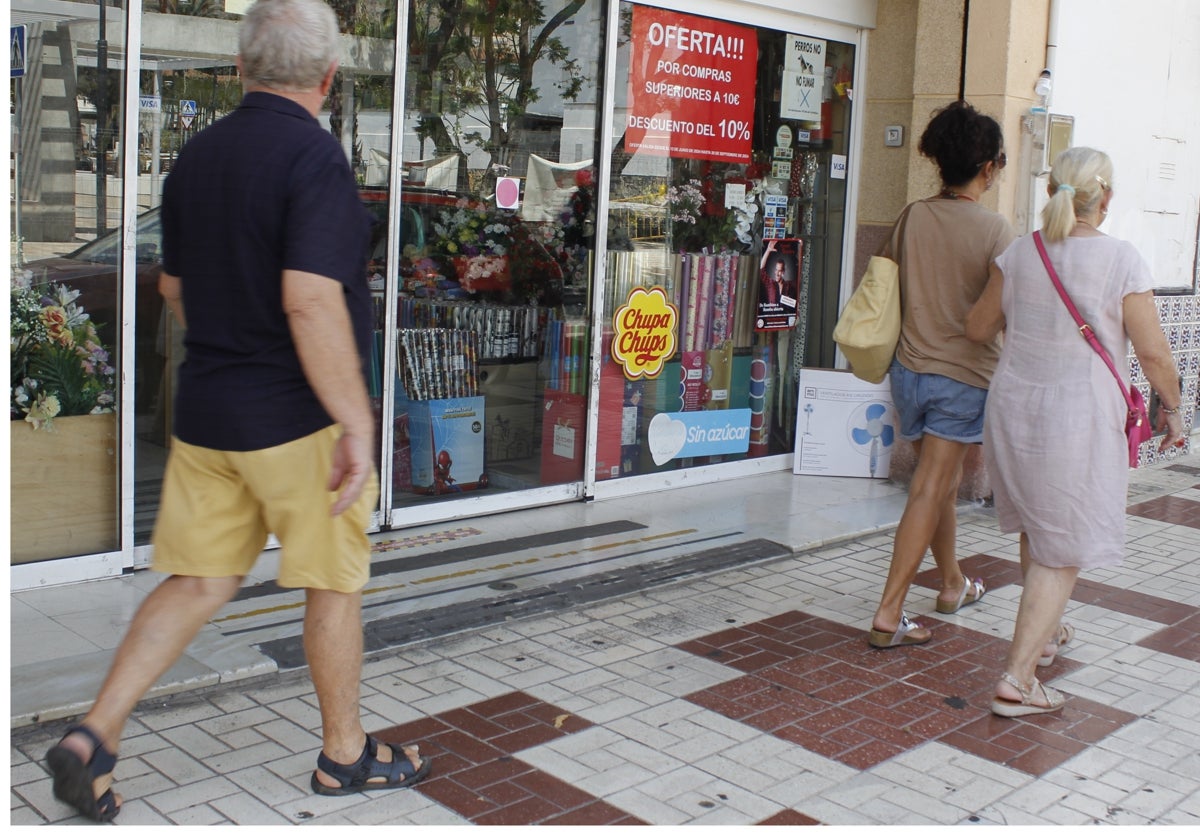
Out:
{"x": 1130, "y": 75}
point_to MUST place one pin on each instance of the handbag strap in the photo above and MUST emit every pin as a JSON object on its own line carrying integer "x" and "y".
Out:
{"x": 1084, "y": 328}
{"x": 890, "y": 247}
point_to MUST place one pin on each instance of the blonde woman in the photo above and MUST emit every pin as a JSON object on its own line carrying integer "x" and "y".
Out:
{"x": 1054, "y": 432}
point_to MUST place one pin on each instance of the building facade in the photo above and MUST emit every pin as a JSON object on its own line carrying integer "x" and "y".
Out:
{"x": 608, "y": 235}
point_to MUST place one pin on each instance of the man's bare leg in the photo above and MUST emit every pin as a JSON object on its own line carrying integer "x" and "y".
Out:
{"x": 162, "y": 628}
{"x": 333, "y": 646}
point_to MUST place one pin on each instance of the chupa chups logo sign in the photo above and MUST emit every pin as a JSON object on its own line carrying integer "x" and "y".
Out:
{"x": 644, "y": 333}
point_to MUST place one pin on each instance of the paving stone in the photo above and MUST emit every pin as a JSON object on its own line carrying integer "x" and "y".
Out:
{"x": 647, "y": 724}
{"x": 177, "y": 766}
{"x": 243, "y": 809}
{"x": 646, "y": 807}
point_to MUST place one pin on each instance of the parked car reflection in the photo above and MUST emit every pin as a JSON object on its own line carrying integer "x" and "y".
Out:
{"x": 93, "y": 268}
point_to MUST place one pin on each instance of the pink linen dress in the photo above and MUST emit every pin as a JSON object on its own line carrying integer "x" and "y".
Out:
{"x": 1054, "y": 426}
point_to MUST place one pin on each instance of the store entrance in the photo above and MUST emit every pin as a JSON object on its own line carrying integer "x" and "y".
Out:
{"x": 489, "y": 326}
{"x": 727, "y": 219}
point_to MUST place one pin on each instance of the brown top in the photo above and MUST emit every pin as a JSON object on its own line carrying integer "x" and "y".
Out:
{"x": 949, "y": 245}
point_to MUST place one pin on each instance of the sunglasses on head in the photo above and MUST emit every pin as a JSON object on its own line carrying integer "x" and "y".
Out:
{"x": 1001, "y": 161}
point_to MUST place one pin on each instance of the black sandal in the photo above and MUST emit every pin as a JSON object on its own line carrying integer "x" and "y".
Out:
{"x": 74, "y": 780}
{"x": 355, "y": 778}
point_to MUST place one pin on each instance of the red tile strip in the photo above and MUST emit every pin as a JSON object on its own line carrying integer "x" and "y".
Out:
{"x": 1173, "y": 509}
{"x": 476, "y": 776}
{"x": 1137, "y": 604}
{"x": 1182, "y": 639}
{"x": 995, "y": 571}
{"x": 789, "y": 817}
{"x": 823, "y": 688}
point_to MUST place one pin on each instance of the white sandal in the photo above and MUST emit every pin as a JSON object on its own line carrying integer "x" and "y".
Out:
{"x": 902, "y": 636}
{"x": 1025, "y": 706}
{"x": 972, "y": 591}
{"x": 1066, "y": 633}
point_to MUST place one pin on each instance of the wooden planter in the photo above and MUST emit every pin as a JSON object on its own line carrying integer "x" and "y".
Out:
{"x": 64, "y": 486}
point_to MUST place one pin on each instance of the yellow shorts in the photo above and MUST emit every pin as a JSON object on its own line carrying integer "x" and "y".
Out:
{"x": 218, "y": 507}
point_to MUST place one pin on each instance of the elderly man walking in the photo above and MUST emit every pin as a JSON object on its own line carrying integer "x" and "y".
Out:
{"x": 264, "y": 242}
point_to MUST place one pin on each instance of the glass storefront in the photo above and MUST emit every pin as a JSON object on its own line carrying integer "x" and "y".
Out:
{"x": 557, "y": 304}
{"x": 726, "y": 218}
{"x": 495, "y": 261}
{"x": 67, "y": 188}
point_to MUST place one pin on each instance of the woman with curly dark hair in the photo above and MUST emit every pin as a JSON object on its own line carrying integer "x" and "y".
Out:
{"x": 939, "y": 378}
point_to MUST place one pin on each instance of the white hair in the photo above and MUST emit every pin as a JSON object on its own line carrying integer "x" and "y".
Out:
{"x": 1078, "y": 180}
{"x": 288, "y": 45}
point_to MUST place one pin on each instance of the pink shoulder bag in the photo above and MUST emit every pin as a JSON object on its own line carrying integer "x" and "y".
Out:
{"x": 1137, "y": 422}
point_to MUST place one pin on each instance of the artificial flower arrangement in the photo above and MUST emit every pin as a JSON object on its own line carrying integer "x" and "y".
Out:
{"x": 470, "y": 229}
{"x": 698, "y": 220}
{"x": 59, "y": 367}
{"x": 704, "y": 218}
{"x": 493, "y": 251}
{"x": 476, "y": 239}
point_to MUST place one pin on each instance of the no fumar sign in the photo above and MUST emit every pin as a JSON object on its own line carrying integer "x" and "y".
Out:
{"x": 692, "y": 83}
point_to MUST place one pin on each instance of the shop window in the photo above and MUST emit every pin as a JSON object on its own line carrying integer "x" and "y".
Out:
{"x": 496, "y": 246}
{"x": 726, "y": 218}
{"x": 189, "y": 81}
{"x": 66, "y": 191}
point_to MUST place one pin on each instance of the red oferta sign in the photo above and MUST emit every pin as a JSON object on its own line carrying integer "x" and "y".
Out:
{"x": 692, "y": 86}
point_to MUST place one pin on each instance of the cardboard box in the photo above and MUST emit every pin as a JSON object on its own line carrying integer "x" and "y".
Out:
{"x": 617, "y": 443}
{"x": 563, "y": 433}
{"x": 511, "y": 409}
{"x": 845, "y": 426}
{"x": 446, "y": 440}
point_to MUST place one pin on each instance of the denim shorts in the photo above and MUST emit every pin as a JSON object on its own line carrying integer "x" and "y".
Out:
{"x": 930, "y": 404}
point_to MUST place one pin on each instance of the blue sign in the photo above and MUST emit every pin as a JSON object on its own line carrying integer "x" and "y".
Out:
{"x": 187, "y": 112}
{"x": 16, "y": 51}
{"x": 693, "y": 434}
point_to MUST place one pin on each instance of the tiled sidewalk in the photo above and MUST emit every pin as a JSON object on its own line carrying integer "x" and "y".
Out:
{"x": 741, "y": 698}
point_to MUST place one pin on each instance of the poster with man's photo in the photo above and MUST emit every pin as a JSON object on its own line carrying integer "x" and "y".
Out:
{"x": 778, "y": 285}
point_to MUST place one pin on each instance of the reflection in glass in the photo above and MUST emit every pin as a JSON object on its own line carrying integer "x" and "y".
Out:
{"x": 189, "y": 81}
{"x": 496, "y": 245}
{"x": 722, "y": 198}
{"x": 66, "y": 191}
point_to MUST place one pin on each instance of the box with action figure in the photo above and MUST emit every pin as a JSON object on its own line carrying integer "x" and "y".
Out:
{"x": 446, "y": 445}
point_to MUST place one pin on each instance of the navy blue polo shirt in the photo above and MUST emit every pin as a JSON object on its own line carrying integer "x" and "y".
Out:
{"x": 261, "y": 190}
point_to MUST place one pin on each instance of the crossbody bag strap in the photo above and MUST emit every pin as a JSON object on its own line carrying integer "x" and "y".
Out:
{"x": 1084, "y": 328}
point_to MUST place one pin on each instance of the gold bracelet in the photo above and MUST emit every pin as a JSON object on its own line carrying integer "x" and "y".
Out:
{"x": 1166, "y": 410}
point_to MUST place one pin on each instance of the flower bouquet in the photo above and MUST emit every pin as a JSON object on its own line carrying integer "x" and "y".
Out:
{"x": 477, "y": 240}
{"x": 492, "y": 250}
{"x": 59, "y": 368}
{"x": 63, "y": 424}
{"x": 699, "y": 219}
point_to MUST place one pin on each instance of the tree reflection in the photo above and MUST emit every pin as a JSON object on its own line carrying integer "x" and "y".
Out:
{"x": 475, "y": 60}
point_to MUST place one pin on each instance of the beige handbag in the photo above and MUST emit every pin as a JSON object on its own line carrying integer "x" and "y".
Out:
{"x": 868, "y": 329}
